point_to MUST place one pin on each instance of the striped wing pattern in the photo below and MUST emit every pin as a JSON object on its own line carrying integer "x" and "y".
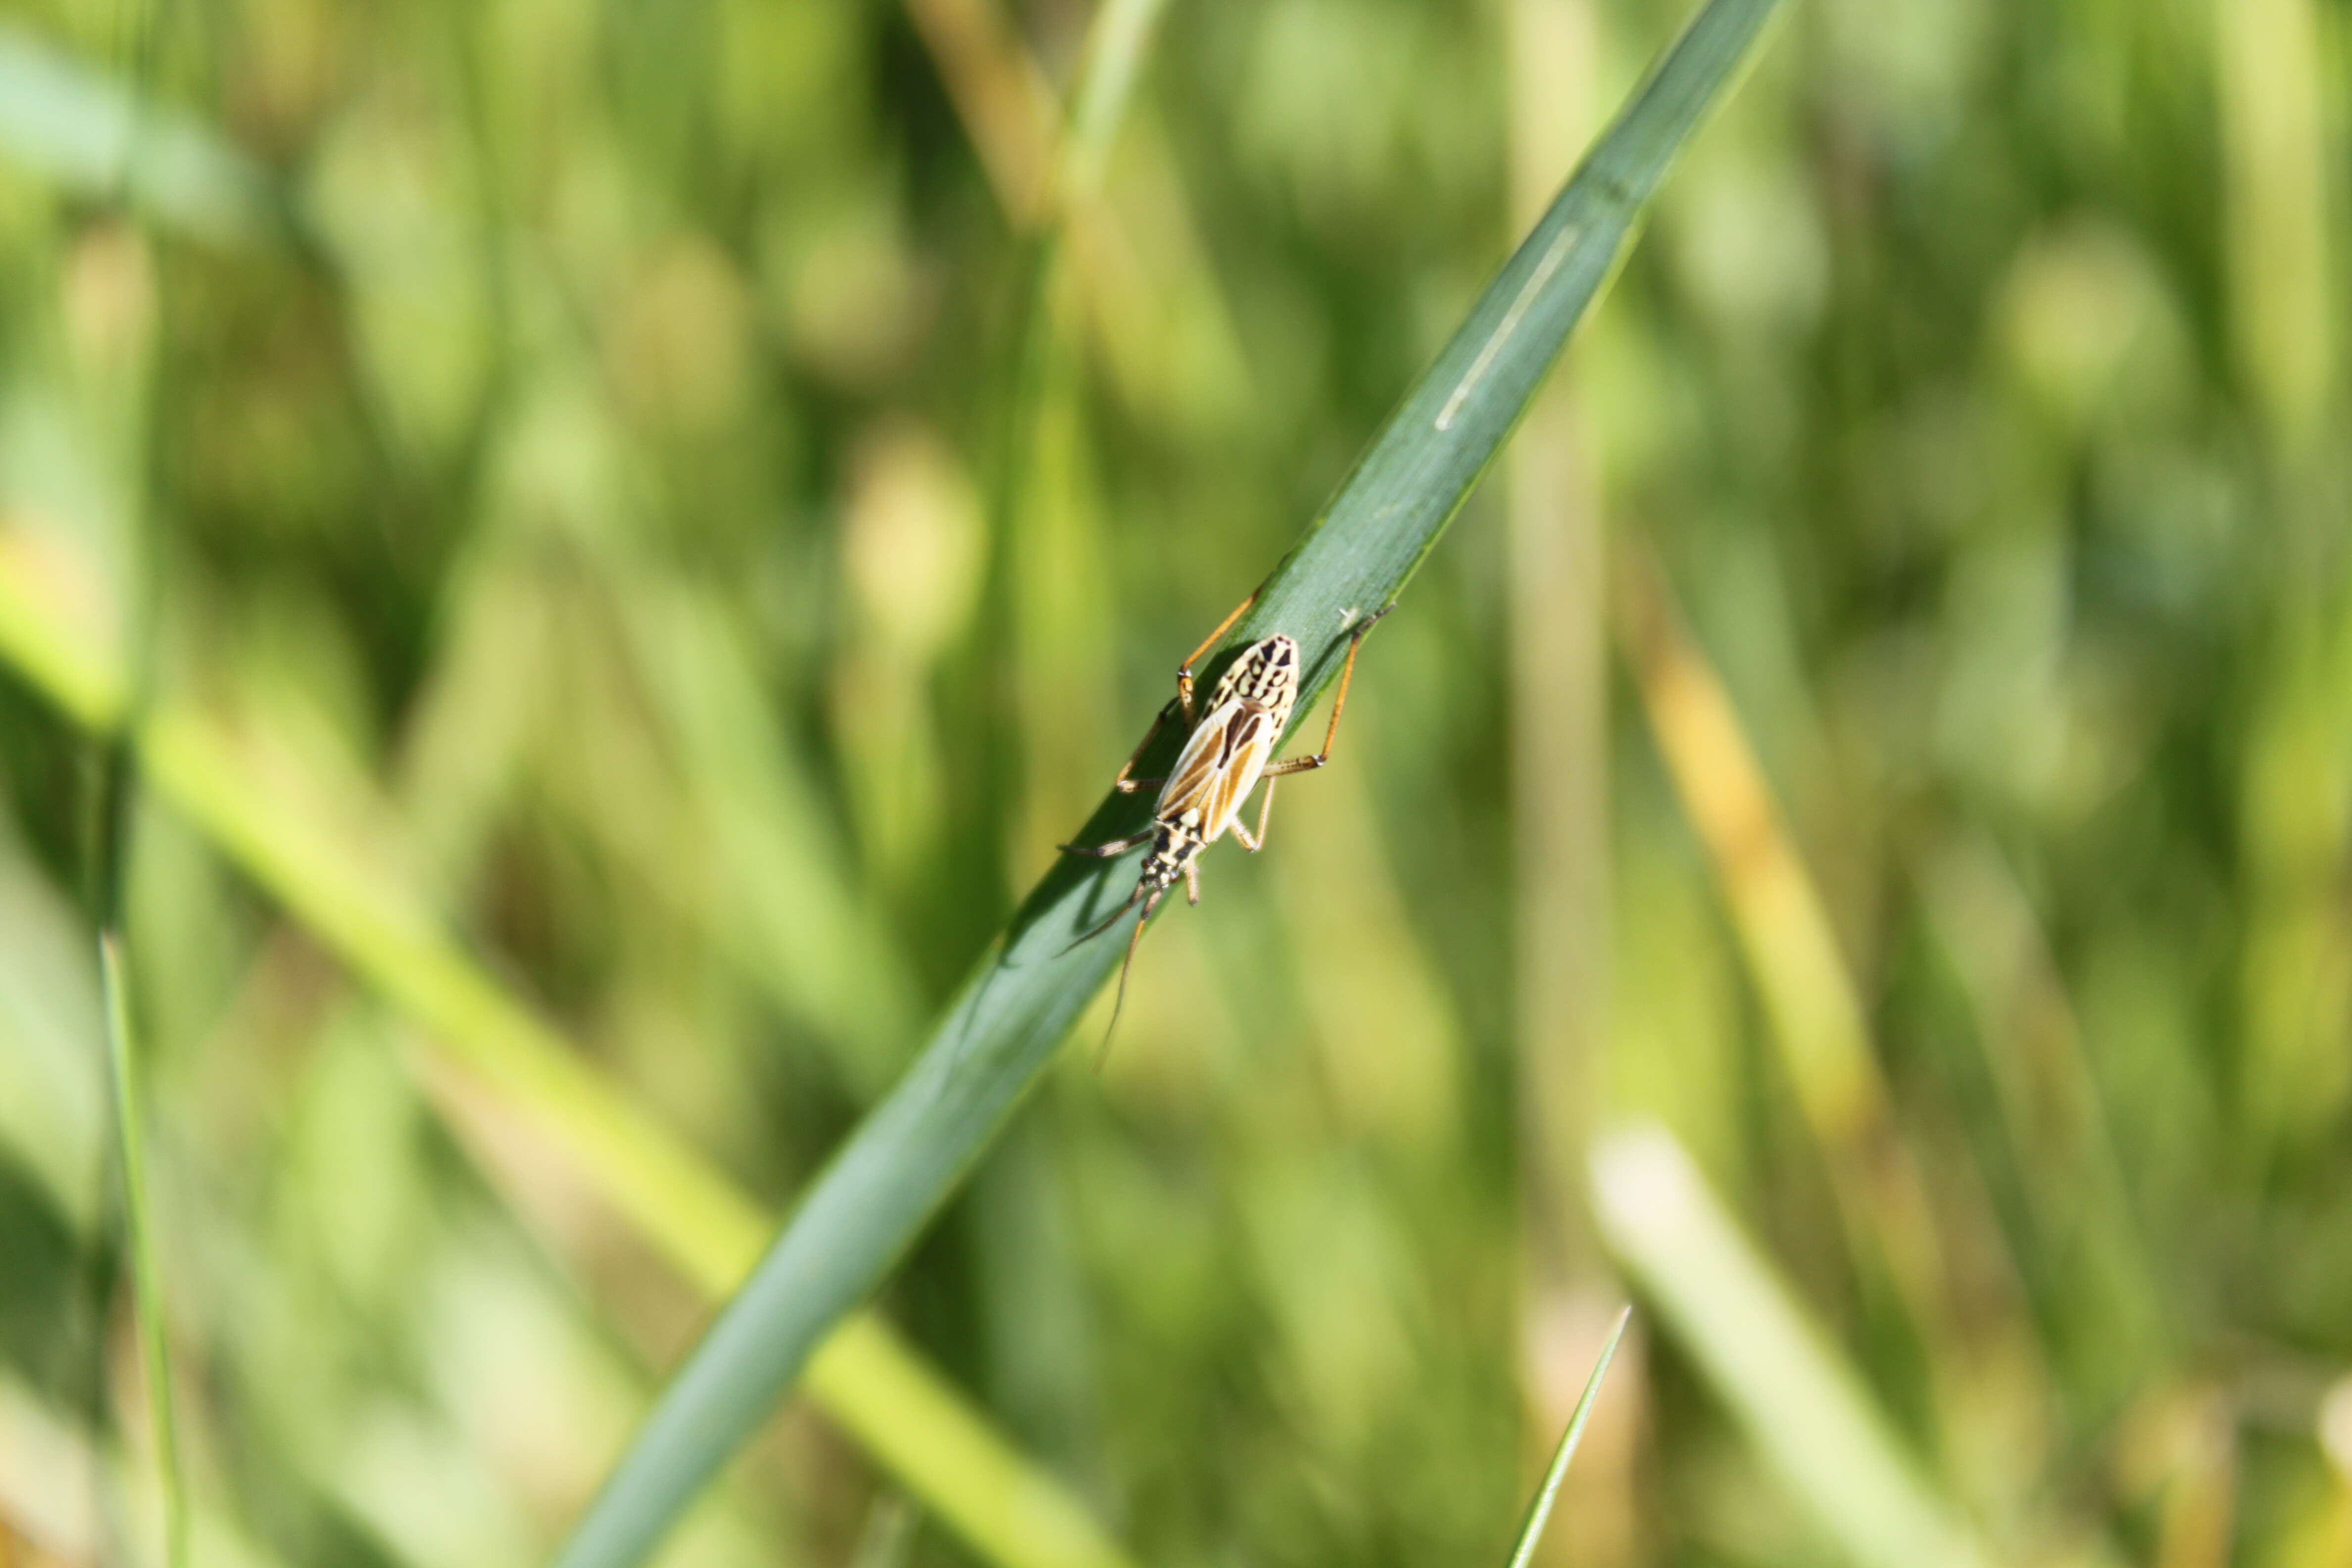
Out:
{"x": 1250, "y": 744}
{"x": 1220, "y": 765}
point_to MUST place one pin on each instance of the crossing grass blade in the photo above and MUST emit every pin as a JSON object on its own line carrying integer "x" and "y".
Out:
{"x": 1810, "y": 1417}
{"x": 146, "y": 1278}
{"x": 1005, "y": 1026}
{"x": 1540, "y": 1510}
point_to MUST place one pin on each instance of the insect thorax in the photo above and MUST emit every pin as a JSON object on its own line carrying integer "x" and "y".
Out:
{"x": 1266, "y": 674}
{"x": 1172, "y": 847}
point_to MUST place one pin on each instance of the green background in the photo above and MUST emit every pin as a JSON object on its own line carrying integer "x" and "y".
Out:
{"x": 1888, "y": 725}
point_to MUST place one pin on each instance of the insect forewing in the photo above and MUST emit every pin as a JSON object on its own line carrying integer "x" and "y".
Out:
{"x": 1249, "y": 745}
{"x": 1184, "y": 800}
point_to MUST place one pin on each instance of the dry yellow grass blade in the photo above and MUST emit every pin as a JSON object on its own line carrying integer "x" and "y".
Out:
{"x": 1008, "y": 107}
{"x": 1146, "y": 291}
{"x": 1786, "y": 939}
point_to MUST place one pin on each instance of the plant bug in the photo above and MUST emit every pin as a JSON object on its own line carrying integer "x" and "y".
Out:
{"x": 1227, "y": 750}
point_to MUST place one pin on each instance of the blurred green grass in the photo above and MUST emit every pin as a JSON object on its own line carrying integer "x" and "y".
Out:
{"x": 604, "y": 480}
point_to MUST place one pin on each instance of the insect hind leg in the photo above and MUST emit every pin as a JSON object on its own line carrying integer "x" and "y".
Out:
{"x": 1127, "y": 783}
{"x": 1338, "y": 706}
{"x": 1265, "y": 810}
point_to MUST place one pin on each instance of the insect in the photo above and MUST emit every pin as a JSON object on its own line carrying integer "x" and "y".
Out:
{"x": 1227, "y": 750}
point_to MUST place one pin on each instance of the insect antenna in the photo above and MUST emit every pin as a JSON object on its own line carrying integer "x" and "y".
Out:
{"x": 1118, "y": 1003}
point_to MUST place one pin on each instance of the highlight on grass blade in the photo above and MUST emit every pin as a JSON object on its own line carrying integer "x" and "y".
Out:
{"x": 1540, "y": 1510}
{"x": 146, "y": 1278}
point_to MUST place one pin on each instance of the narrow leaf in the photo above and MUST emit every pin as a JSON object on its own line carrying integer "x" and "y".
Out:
{"x": 1539, "y": 1511}
{"x": 146, "y": 1278}
{"x": 917, "y": 1146}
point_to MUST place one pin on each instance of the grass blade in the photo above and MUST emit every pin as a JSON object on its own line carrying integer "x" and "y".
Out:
{"x": 1539, "y": 1511}
{"x": 1002, "y": 1029}
{"x": 1804, "y": 1407}
{"x": 1114, "y": 51}
{"x": 146, "y": 1278}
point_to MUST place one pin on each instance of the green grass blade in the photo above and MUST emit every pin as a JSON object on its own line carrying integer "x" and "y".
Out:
{"x": 146, "y": 1278}
{"x": 1391, "y": 510}
{"x": 1115, "y": 55}
{"x": 1002, "y": 1029}
{"x": 1539, "y": 1511}
{"x": 1806, "y": 1410}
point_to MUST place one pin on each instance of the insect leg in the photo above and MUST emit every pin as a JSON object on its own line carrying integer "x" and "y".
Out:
{"x": 1105, "y": 851}
{"x": 1265, "y": 810}
{"x": 1127, "y": 785}
{"x": 1338, "y": 706}
{"x": 1193, "y": 883}
{"x": 1184, "y": 670}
